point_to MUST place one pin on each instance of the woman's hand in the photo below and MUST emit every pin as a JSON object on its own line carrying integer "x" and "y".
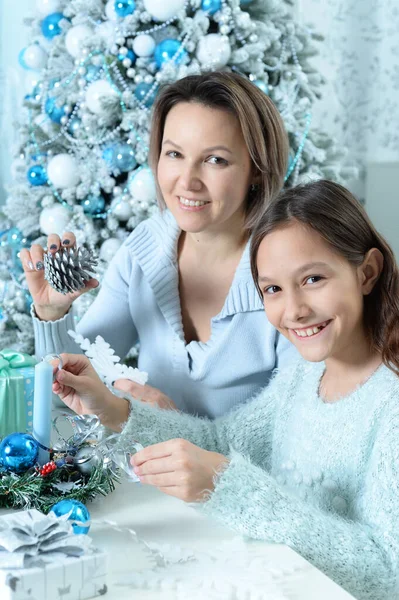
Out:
{"x": 81, "y": 389}
{"x": 49, "y": 304}
{"x": 145, "y": 393}
{"x": 179, "y": 468}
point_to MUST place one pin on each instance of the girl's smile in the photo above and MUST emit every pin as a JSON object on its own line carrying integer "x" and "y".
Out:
{"x": 311, "y": 331}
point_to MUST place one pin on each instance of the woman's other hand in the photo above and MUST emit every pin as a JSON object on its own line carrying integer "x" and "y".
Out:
{"x": 179, "y": 468}
{"x": 145, "y": 393}
{"x": 81, "y": 389}
{"x": 50, "y": 305}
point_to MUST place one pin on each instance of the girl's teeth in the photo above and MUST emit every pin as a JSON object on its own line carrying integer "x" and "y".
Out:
{"x": 310, "y": 331}
{"x": 191, "y": 202}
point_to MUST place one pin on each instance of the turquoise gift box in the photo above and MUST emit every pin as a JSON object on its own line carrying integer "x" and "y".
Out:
{"x": 17, "y": 377}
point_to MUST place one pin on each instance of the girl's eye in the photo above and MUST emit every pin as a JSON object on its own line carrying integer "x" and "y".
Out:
{"x": 272, "y": 289}
{"x": 172, "y": 152}
{"x": 314, "y": 279}
{"x": 218, "y": 160}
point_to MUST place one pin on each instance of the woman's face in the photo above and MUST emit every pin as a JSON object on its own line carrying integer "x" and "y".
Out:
{"x": 204, "y": 169}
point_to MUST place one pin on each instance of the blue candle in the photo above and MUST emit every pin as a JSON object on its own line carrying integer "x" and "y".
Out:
{"x": 42, "y": 404}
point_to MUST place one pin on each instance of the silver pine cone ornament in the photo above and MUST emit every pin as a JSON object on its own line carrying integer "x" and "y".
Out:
{"x": 68, "y": 269}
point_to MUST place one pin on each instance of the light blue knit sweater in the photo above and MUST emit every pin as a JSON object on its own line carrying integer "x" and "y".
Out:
{"x": 139, "y": 301}
{"x": 322, "y": 478}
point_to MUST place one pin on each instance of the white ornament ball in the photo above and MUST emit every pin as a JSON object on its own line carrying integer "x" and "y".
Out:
{"x": 46, "y": 7}
{"x": 110, "y": 10}
{"x": 74, "y": 38}
{"x": 142, "y": 186}
{"x": 62, "y": 171}
{"x": 214, "y": 50}
{"x": 161, "y": 10}
{"x": 109, "y": 248}
{"x": 35, "y": 57}
{"x": 122, "y": 210}
{"x": 95, "y": 91}
{"x": 54, "y": 219}
{"x": 143, "y": 45}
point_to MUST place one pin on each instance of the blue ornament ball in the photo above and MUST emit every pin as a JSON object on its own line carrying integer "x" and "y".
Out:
{"x": 79, "y": 516}
{"x": 93, "y": 205}
{"x": 18, "y": 452}
{"x": 120, "y": 157}
{"x": 74, "y": 125}
{"x": 165, "y": 51}
{"x": 123, "y": 8}
{"x": 51, "y": 25}
{"x": 211, "y": 6}
{"x": 130, "y": 55}
{"x": 15, "y": 237}
{"x": 54, "y": 112}
{"x": 141, "y": 92}
{"x": 37, "y": 175}
{"x": 245, "y": 2}
{"x": 262, "y": 86}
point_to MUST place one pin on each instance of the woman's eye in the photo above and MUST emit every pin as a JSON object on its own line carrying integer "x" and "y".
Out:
{"x": 217, "y": 160}
{"x": 314, "y": 279}
{"x": 272, "y": 289}
{"x": 172, "y": 153}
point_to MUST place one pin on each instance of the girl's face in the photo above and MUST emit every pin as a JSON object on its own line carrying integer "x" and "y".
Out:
{"x": 204, "y": 169}
{"x": 312, "y": 295}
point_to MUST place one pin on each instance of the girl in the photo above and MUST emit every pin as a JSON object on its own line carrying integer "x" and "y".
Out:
{"x": 181, "y": 283}
{"x": 313, "y": 461}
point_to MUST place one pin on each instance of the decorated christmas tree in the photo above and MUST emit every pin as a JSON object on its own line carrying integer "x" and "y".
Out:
{"x": 93, "y": 69}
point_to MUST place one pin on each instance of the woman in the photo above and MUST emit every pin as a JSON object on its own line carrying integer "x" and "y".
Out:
{"x": 181, "y": 283}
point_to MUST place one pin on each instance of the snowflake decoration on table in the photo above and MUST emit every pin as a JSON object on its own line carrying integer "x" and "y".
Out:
{"x": 106, "y": 362}
{"x": 234, "y": 570}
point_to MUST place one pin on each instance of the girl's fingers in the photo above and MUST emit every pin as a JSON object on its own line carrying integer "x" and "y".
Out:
{"x": 68, "y": 239}
{"x": 155, "y": 451}
{"x": 26, "y": 260}
{"x": 165, "y": 480}
{"x": 37, "y": 253}
{"x": 156, "y": 466}
{"x": 53, "y": 243}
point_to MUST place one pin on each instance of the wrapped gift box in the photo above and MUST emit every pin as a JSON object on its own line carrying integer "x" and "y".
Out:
{"x": 70, "y": 579}
{"x": 63, "y": 575}
{"x": 17, "y": 376}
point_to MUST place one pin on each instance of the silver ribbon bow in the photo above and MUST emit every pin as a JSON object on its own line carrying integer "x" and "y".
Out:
{"x": 30, "y": 539}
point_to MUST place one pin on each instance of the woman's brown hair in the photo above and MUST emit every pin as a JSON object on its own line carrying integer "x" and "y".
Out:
{"x": 332, "y": 211}
{"x": 262, "y": 127}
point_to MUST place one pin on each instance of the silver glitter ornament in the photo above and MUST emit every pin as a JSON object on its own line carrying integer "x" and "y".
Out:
{"x": 86, "y": 459}
{"x": 68, "y": 269}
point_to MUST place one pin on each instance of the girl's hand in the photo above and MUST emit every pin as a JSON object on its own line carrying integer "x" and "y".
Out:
{"x": 145, "y": 393}
{"x": 49, "y": 304}
{"x": 81, "y": 389}
{"x": 179, "y": 468}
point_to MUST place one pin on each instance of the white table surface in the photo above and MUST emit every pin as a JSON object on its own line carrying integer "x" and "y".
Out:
{"x": 162, "y": 519}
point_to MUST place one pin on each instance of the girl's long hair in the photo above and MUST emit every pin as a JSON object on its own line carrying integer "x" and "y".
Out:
{"x": 332, "y": 211}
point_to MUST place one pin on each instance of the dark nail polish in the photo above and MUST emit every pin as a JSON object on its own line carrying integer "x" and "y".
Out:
{"x": 39, "y": 266}
{"x": 53, "y": 247}
{"x": 66, "y": 242}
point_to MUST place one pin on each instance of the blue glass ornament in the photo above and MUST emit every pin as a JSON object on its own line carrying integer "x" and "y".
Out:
{"x": 141, "y": 91}
{"x": 21, "y": 59}
{"x": 92, "y": 73}
{"x": 120, "y": 157}
{"x": 130, "y": 54}
{"x": 18, "y": 452}
{"x": 166, "y": 49}
{"x": 37, "y": 175}
{"x": 123, "y": 8}
{"x": 93, "y": 205}
{"x": 74, "y": 125}
{"x": 245, "y": 2}
{"x": 15, "y": 237}
{"x": 79, "y": 516}
{"x": 211, "y": 6}
{"x": 54, "y": 112}
{"x": 51, "y": 25}
{"x": 262, "y": 86}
